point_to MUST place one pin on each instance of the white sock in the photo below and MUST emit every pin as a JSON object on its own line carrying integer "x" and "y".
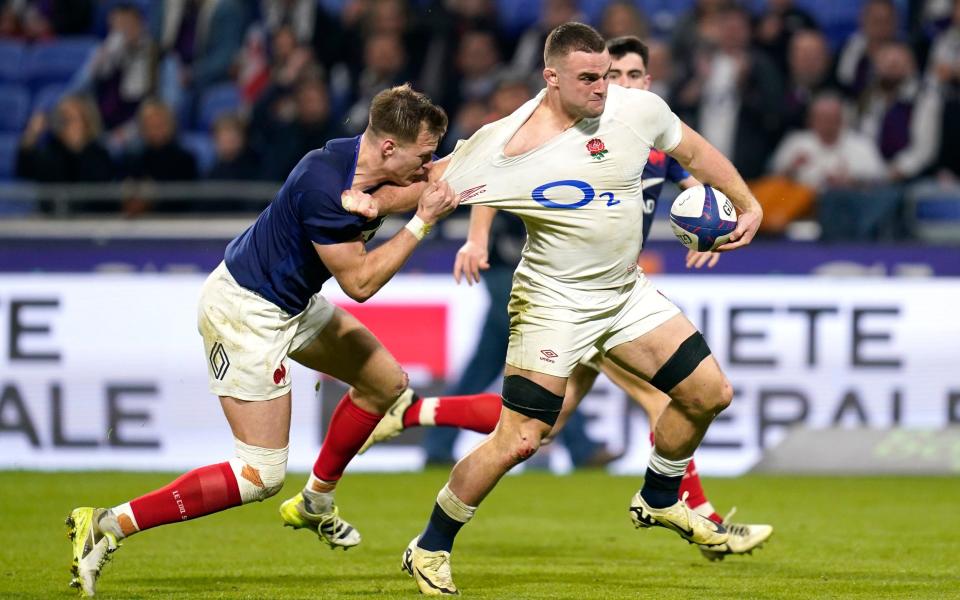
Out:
{"x": 428, "y": 411}
{"x": 318, "y": 495}
{"x": 119, "y": 521}
{"x": 667, "y": 467}
{"x": 455, "y": 508}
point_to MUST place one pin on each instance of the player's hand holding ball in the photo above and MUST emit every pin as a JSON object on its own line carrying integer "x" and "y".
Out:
{"x": 705, "y": 220}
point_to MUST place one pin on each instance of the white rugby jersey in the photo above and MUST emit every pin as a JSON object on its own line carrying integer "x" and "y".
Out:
{"x": 579, "y": 194}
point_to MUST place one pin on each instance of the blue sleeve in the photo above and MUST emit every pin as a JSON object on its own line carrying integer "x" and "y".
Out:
{"x": 325, "y": 220}
{"x": 675, "y": 172}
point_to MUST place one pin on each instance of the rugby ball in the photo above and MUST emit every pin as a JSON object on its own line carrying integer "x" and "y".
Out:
{"x": 702, "y": 218}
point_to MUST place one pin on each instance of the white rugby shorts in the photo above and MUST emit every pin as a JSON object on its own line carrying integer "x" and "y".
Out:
{"x": 247, "y": 338}
{"x": 553, "y": 340}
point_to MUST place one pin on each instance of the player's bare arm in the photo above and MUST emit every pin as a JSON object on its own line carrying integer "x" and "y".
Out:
{"x": 360, "y": 273}
{"x": 472, "y": 257}
{"x": 709, "y": 165}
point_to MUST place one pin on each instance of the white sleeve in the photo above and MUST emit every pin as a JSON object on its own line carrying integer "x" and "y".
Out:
{"x": 652, "y": 120}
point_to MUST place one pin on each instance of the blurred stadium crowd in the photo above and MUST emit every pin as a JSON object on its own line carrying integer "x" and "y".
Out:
{"x": 842, "y": 111}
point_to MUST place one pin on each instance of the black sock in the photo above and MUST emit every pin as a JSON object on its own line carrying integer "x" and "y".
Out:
{"x": 660, "y": 491}
{"x": 440, "y": 531}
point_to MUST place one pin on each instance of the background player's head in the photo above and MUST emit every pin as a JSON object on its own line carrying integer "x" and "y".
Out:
{"x": 629, "y": 66}
{"x": 405, "y": 126}
{"x": 576, "y": 62}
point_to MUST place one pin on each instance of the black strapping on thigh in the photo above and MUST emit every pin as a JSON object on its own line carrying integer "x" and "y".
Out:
{"x": 531, "y": 399}
{"x": 683, "y": 362}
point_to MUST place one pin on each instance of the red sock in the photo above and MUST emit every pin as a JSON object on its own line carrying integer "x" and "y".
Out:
{"x": 691, "y": 483}
{"x": 199, "y": 492}
{"x": 349, "y": 428}
{"x": 479, "y": 412}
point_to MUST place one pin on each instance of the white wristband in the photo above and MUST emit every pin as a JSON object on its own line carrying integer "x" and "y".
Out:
{"x": 418, "y": 228}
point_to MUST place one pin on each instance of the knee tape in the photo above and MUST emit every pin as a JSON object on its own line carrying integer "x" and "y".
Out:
{"x": 531, "y": 399}
{"x": 683, "y": 362}
{"x": 259, "y": 471}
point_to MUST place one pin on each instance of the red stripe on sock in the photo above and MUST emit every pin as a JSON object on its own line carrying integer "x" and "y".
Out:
{"x": 194, "y": 494}
{"x": 349, "y": 428}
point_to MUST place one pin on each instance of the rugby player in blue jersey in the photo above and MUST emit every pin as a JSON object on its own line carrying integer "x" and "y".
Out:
{"x": 261, "y": 307}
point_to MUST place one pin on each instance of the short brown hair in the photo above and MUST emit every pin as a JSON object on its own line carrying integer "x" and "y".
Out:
{"x": 402, "y": 112}
{"x": 629, "y": 44}
{"x": 572, "y": 37}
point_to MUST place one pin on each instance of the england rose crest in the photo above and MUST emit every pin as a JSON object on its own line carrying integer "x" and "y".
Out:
{"x": 596, "y": 148}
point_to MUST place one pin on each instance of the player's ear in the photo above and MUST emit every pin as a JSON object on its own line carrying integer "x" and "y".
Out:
{"x": 388, "y": 147}
{"x": 550, "y": 76}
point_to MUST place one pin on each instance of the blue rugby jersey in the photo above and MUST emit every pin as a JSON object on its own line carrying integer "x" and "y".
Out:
{"x": 659, "y": 168}
{"x": 275, "y": 257}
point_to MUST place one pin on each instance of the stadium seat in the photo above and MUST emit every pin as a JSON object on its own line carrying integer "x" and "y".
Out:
{"x": 215, "y": 101}
{"x": 48, "y": 96}
{"x": 933, "y": 214}
{"x": 200, "y": 145}
{"x": 11, "y": 61}
{"x": 8, "y": 155}
{"x": 57, "y": 61}
{"x": 14, "y": 107}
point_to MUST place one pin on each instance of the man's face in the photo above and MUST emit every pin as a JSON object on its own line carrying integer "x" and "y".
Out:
{"x": 629, "y": 71}
{"x": 581, "y": 80}
{"x": 407, "y": 162}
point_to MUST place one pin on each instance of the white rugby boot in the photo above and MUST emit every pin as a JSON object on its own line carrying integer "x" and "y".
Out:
{"x": 391, "y": 425}
{"x": 744, "y": 539}
{"x": 431, "y": 570}
{"x": 678, "y": 517}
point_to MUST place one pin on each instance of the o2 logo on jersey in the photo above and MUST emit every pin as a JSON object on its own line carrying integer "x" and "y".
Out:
{"x": 539, "y": 194}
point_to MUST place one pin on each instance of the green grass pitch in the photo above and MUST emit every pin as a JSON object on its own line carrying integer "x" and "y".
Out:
{"x": 537, "y": 536}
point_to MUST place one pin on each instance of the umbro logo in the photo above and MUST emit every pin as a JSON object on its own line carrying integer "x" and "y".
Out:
{"x": 548, "y": 355}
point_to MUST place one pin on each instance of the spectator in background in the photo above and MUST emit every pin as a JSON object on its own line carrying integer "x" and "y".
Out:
{"x": 72, "y": 153}
{"x": 844, "y": 170}
{"x": 776, "y": 27}
{"x": 733, "y": 97}
{"x": 199, "y": 40}
{"x": 385, "y": 67}
{"x": 449, "y": 22}
{"x": 661, "y": 69}
{"x": 695, "y": 28}
{"x": 235, "y": 160}
{"x": 621, "y": 18}
{"x": 810, "y": 73}
{"x": 829, "y": 154}
{"x": 943, "y": 73}
{"x": 120, "y": 71}
{"x": 878, "y": 26}
{"x": 470, "y": 118}
{"x": 160, "y": 158}
{"x": 288, "y": 135}
{"x": 528, "y": 56}
{"x": 36, "y": 20}
{"x": 478, "y": 70}
{"x": 899, "y": 114}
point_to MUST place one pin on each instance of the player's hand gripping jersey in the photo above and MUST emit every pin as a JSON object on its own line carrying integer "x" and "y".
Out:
{"x": 580, "y": 194}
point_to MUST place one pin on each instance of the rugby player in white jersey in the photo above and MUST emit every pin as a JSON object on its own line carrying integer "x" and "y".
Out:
{"x": 628, "y": 69}
{"x": 569, "y": 163}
